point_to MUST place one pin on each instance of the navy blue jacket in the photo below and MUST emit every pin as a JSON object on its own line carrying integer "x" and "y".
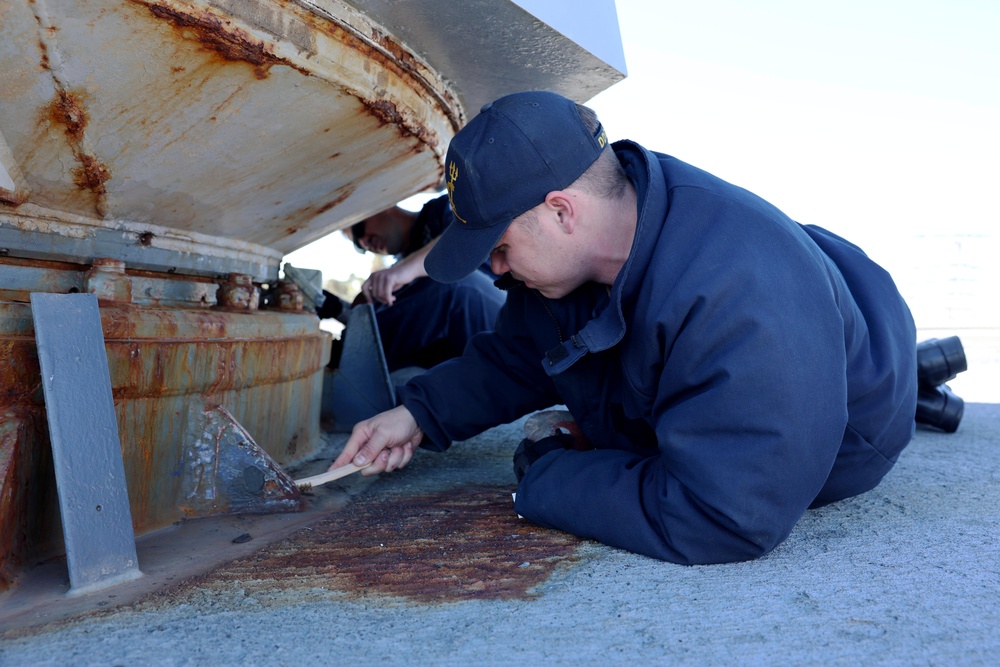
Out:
{"x": 742, "y": 369}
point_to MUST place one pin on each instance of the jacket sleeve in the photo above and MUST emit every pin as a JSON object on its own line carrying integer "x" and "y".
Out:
{"x": 748, "y": 405}
{"x": 498, "y": 379}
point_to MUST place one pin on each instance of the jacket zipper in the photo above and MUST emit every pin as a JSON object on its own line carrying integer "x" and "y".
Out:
{"x": 548, "y": 310}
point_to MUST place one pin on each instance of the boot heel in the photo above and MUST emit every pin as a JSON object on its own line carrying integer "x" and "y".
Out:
{"x": 939, "y": 361}
{"x": 940, "y": 408}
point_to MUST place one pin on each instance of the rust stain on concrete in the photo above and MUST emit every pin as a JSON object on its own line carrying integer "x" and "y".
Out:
{"x": 464, "y": 543}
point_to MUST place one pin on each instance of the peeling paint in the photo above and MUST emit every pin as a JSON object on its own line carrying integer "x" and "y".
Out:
{"x": 157, "y": 130}
{"x": 14, "y": 199}
{"x": 67, "y": 109}
{"x": 91, "y": 174}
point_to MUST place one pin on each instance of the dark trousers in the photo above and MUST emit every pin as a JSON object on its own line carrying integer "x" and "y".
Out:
{"x": 431, "y": 322}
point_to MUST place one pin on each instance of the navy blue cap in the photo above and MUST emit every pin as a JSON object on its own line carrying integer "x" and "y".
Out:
{"x": 504, "y": 162}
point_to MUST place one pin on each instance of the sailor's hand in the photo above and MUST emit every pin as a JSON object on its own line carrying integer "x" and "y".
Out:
{"x": 382, "y": 285}
{"x": 386, "y": 441}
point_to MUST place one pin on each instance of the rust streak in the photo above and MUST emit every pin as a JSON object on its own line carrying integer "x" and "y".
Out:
{"x": 20, "y": 377}
{"x": 336, "y": 201}
{"x": 390, "y": 55}
{"x": 233, "y": 43}
{"x": 398, "y": 53}
{"x": 67, "y": 110}
{"x": 91, "y": 174}
{"x": 221, "y": 37}
{"x": 24, "y": 458}
{"x": 463, "y": 543}
{"x": 312, "y": 210}
{"x": 13, "y": 198}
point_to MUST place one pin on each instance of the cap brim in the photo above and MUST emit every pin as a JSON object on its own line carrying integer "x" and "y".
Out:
{"x": 460, "y": 250}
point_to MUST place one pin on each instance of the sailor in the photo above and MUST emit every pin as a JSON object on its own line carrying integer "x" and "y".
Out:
{"x": 727, "y": 367}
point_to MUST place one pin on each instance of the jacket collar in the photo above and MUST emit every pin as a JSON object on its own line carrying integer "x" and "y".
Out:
{"x": 608, "y": 328}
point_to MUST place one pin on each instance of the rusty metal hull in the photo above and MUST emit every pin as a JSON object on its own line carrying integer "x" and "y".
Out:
{"x": 264, "y": 121}
{"x": 266, "y": 369}
{"x": 164, "y": 155}
{"x": 269, "y": 122}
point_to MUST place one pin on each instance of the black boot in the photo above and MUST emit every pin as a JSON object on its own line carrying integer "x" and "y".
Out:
{"x": 940, "y": 408}
{"x": 939, "y": 361}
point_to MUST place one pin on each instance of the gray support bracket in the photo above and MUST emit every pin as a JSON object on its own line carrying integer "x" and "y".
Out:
{"x": 86, "y": 450}
{"x": 360, "y": 387}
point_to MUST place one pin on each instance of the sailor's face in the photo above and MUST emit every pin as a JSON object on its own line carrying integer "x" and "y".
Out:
{"x": 531, "y": 251}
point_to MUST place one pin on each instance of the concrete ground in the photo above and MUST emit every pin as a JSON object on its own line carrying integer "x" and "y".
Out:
{"x": 430, "y": 566}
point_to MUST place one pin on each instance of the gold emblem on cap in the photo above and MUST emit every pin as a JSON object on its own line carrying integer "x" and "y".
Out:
{"x": 452, "y": 177}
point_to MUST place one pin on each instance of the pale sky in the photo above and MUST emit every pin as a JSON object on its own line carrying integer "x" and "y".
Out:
{"x": 877, "y": 119}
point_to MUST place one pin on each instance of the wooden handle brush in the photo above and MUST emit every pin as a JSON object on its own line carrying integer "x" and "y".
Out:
{"x": 328, "y": 476}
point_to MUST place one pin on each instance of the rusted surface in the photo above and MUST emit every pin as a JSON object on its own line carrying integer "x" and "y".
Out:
{"x": 12, "y": 458}
{"x": 13, "y": 198}
{"x": 265, "y": 371}
{"x": 20, "y": 377}
{"x": 220, "y": 37}
{"x": 159, "y": 368}
{"x": 157, "y": 352}
{"x": 289, "y": 296}
{"x": 226, "y": 472}
{"x": 91, "y": 174}
{"x": 48, "y": 264}
{"x": 464, "y": 543}
{"x": 25, "y": 482}
{"x": 155, "y": 131}
{"x": 314, "y": 209}
{"x": 245, "y": 119}
{"x": 390, "y": 55}
{"x": 232, "y": 43}
{"x": 237, "y": 291}
{"x": 265, "y": 368}
{"x": 388, "y": 113}
{"x": 67, "y": 110}
{"x": 235, "y": 44}
{"x": 106, "y": 280}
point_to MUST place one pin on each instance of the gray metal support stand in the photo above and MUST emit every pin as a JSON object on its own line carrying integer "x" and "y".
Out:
{"x": 86, "y": 451}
